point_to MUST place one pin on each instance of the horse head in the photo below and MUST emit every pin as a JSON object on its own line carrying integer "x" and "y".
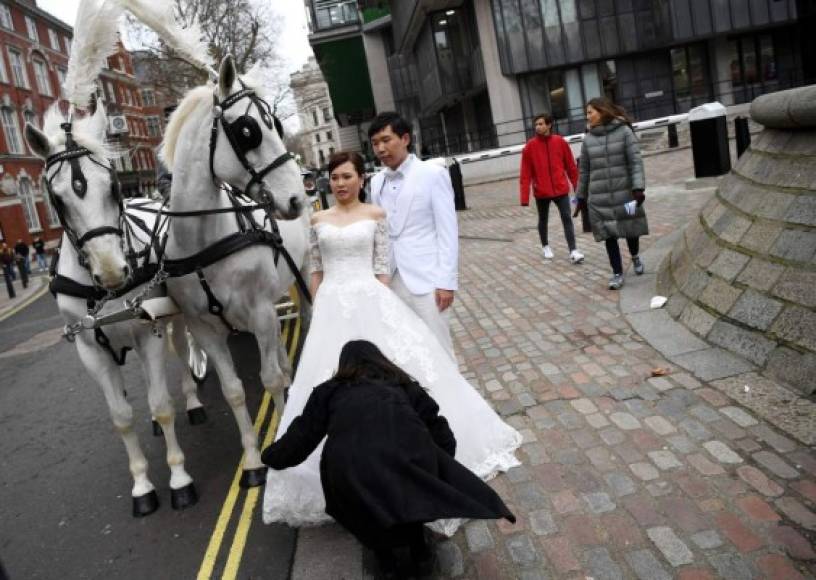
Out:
{"x": 247, "y": 149}
{"x": 84, "y": 191}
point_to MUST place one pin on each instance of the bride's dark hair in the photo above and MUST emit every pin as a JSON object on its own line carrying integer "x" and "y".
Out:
{"x": 360, "y": 359}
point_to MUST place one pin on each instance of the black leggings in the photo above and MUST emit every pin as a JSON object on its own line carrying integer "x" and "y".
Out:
{"x": 563, "y": 205}
{"x": 613, "y": 251}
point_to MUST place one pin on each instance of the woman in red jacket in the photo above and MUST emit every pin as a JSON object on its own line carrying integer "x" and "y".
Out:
{"x": 548, "y": 166}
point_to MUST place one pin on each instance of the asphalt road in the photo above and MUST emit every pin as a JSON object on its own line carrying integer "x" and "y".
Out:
{"x": 65, "y": 505}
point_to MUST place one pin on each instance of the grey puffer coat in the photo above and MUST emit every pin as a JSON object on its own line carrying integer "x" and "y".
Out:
{"x": 611, "y": 168}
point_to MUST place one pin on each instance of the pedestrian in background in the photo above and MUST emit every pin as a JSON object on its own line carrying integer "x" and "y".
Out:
{"x": 39, "y": 253}
{"x": 7, "y": 259}
{"x": 387, "y": 466}
{"x": 547, "y": 165}
{"x": 21, "y": 250}
{"x": 612, "y": 184}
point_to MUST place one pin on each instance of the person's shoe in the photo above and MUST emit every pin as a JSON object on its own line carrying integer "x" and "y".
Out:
{"x": 638, "y": 265}
{"x": 548, "y": 253}
{"x": 576, "y": 257}
{"x": 616, "y": 282}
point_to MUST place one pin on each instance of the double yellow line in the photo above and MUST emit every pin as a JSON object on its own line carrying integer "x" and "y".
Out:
{"x": 290, "y": 335}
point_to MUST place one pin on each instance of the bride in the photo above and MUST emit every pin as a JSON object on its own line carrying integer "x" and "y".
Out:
{"x": 349, "y": 282}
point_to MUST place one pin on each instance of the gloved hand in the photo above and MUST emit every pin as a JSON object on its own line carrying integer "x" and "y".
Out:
{"x": 639, "y": 196}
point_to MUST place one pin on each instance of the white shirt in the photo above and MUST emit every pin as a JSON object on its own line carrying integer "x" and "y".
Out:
{"x": 392, "y": 186}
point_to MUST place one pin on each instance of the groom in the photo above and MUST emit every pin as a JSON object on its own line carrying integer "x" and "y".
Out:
{"x": 418, "y": 198}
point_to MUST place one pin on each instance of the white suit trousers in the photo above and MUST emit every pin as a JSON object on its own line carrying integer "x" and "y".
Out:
{"x": 424, "y": 305}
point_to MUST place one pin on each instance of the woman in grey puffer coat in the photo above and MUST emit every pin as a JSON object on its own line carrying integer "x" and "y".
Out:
{"x": 611, "y": 176}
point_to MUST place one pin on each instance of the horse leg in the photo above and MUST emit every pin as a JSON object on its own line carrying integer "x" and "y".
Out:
{"x": 196, "y": 414}
{"x": 104, "y": 369}
{"x": 276, "y": 369}
{"x": 215, "y": 345}
{"x": 151, "y": 350}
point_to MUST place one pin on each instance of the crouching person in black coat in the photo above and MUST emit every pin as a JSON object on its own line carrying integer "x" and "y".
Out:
{"x": 387, "y": 466}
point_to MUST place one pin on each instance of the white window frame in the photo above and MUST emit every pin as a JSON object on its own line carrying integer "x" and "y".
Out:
{"x": 11, "y": 130}
{"x": 5, "y": 17}
{"x": 111, "y": 91}
{"x": 29, "y": 204}
{"x": 42, "y": 77}
{"x": 148, "y": 97}
{"x": 53, "y": 38}
{"x": 67, "y": 42}
{"x": 154, "y": 128}
{"x": 16, "y": 52}
{"x": 61, "y": 74}
{"x": 28, "y": 114}
{"x": 53, "y": 216}
{"x": 4, "y": 77}
{"x": 31, "y": 29}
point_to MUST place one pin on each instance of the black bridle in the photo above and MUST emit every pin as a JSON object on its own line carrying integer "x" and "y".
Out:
{"x": 79, "y": 184}
{"x": 244, "y": 134}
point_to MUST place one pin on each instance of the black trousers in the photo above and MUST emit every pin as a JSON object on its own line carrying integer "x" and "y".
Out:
{"x": 614, "y": 253}
{"x": 563, "y": 205}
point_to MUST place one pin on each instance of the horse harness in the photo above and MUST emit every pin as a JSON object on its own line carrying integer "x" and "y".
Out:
{"x": 244, "y": 134}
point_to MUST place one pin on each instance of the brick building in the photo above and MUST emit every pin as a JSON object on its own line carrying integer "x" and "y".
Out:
{"x": 34, "y": 49}
{"x": 34, "y": 53}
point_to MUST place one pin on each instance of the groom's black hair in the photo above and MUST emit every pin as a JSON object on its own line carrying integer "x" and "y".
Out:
{"x": 362, "y": 360}
{"x": 389, "y": 119}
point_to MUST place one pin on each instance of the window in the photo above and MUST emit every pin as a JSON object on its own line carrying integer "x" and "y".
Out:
{"x": 322, "y": 157}
{"x": 67, "y": 42}
{"x": 53, "y": 216}
{"x": 111, "y": 91}
{"x": 31, "y": 29}
{"x": 329, "y": 136}
{"x": 5, "y": 17}
{"x": 18, "y": 68}
{"x": 327, "y": 114}
{"x": 53, "y": 39}
{"x": 317, "y": 137}
{"x": 41, "y": 74}
{"x": 61, "y": 72}
{"x": 154, "y": 127}
{"x": 314, "y": 117}
{"x": 148, "y": 98}
{"x": 331, "y": 150}
{"x": 29, "y": 205}
{"x": 3, "y": 74}
{"x": 30, "y": 117}
{"x": 11, "y": 128}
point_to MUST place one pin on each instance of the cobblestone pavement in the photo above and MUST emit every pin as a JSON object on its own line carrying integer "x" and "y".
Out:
{"x": 623, "y": 475}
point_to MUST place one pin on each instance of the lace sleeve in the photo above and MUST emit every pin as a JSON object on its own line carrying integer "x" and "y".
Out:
{"x": 315, "y": 260}
{"x": 382, "y": 249}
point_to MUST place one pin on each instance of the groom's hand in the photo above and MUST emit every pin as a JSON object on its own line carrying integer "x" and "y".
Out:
{"x": 444, "y": 298}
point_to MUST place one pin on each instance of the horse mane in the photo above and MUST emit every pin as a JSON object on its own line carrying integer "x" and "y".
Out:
{"x": 197, "y": 98}
{"x": 80, "y": 130}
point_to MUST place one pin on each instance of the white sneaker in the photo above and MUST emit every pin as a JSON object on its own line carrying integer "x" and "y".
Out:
{"x": 548, "y": 253}
{"x": 576, "y": 257}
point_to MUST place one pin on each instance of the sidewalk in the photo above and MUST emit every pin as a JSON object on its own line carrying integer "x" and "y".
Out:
{"x": 623, "y": 475}
{"x": 9, "y": 306}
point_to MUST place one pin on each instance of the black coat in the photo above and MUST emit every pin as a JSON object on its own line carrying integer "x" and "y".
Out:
{"x": 388, "y": 459}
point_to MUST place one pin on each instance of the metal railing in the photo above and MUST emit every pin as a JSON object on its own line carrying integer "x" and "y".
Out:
{"x": 518, "y": 131}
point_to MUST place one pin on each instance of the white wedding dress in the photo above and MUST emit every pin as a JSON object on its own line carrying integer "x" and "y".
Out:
{"x": 352, "y": 304}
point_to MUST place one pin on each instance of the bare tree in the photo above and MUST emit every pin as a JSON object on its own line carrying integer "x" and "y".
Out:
{"x": 246, "y": 29}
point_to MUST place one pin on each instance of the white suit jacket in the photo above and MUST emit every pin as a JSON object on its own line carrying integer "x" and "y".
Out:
{"x": 423, "y": 229}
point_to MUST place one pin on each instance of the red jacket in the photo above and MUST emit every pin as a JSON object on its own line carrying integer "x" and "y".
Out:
{"x": 548, "y": 163}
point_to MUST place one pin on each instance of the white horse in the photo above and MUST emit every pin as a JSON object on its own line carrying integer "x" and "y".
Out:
{"x": 249, "y": 282}
{"x": 92, "y": 220}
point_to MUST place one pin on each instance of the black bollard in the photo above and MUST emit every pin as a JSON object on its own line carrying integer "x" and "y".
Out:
{"x": 743, "y": 135}
{"x": 9, "y": 285}
{"x": 674, "y": 141}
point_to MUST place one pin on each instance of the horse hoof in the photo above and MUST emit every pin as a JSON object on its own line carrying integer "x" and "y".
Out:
{"x": 184, "y": 497}
{"x": 253, "y": 477}
{"x": 157, "y": 429}
{"x": 197, "y": 416}
{"x": 146, "y": 504}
